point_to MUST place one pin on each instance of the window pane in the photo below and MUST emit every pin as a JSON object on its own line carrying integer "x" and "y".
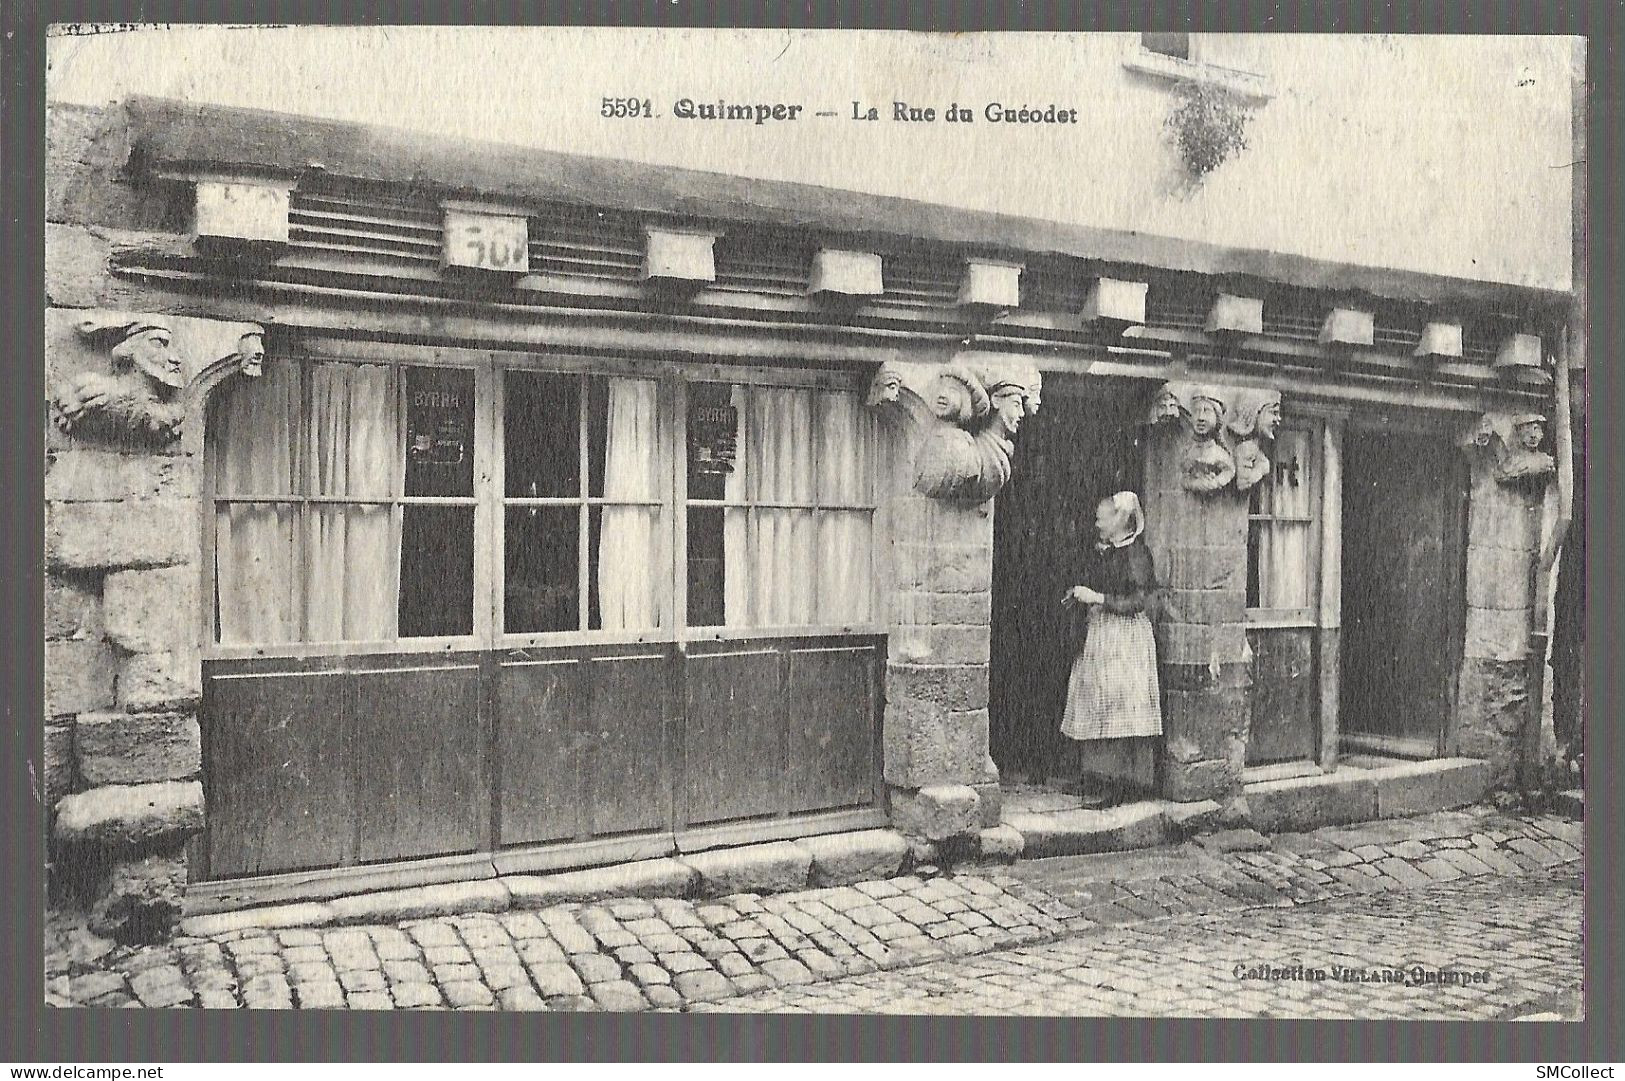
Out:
{"x": 1290, "y": 488}
{"x": 254, "y": 431}
{"x": 437, "y": 571}
{"x": 350, "y": 565}
{"x": 543, "y": 583}
{"x": 439, "y": 432}
{"x": 354, "y": 433}
{"x": 624, "y": 439}
{"x": 780, "y": 446}
{"x": 844, "y": 578}
{"x": 845, "y": 439}
{"x": 713, "y": 439}
{"x": 706, "y": 581}
{"x": 627, "y": 574}
{"x": 1278, "y": 570}
{"x": 542, "y": 434}
{"x": 253, "y": 573}
{"x": 1177, "y": 45}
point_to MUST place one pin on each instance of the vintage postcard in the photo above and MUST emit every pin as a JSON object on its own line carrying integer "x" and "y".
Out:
{"x": 814, "y": 521}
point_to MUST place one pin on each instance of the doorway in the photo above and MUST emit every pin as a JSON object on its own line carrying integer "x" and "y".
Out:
{"x": 1083, "y": 446}
{"x": 1404, "y": 553}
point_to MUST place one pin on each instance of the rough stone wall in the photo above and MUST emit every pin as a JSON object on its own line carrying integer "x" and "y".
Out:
{"x": 1199, "y": 545}
{"x": 1503, "y": 540}
{"x": 122, "y": 748}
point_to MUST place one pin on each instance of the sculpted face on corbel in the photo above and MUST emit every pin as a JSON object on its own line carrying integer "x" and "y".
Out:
{"x": 155, "y": 364}
{"x": 1513, "y": 442}
{"x": 978, "y": 410}
{"x": 137, "y": 399}
{"x": 1253, "y": 422}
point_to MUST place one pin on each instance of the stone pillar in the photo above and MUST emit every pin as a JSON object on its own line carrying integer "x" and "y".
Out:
{"x": 122, "y": 618}
{"x": 942, "y": 779}
{"x": 1199, "y": 544}
{"x": 1503, "y": 540}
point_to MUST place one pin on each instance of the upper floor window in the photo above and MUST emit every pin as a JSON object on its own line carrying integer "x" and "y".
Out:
{"x": 373, "y": 502}
{"x": 1176, "y": 45}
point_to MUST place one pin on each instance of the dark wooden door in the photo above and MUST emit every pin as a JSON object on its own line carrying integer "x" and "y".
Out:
{"x": 1082, "y": 446}
{"x": 1403, "y": 552}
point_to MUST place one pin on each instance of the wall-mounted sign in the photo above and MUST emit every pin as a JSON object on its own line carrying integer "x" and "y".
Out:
{"x": 241, "y": 210}
{"x": 439, "y": 432}
{"x": 713, "y": 435}
{"x": 483, "y": 240}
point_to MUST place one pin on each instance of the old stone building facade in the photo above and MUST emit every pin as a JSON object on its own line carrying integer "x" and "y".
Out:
{"x": 420, "y": 510}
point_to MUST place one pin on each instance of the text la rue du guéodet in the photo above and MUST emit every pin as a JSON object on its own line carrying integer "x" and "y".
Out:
{"x": 992, "y": 112}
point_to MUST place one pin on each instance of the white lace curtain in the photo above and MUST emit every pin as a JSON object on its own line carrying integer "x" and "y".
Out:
{"x": 785, "y": 566}
{"x": 350, "y": 555}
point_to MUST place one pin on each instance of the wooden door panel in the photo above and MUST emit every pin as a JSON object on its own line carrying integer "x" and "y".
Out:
{"x": 1285, "y": 695}
{"x": 420, "y": 786}
{"x": 541, "y": 730}
{"x": 277, "y": 754}
{"x": 626, "y": 765}
{"x": 830, "y": 702}
{"x": 1402, "y": 549}
{"x": 734, "y": 736}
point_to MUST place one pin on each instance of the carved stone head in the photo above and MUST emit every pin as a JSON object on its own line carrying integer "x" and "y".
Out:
{"x": 958, "y": 397}
{"x": 1269, "y": 420}
{"x": 1035, "y": 391}
{"x": 1166, "y": 406}
{"x": 251, "y": 354}
{"x": 1530, "y": 429}
{"x": 148, "y": 345}
{"x": 1207, "y": 413}
{"x": 1009, "y": 402}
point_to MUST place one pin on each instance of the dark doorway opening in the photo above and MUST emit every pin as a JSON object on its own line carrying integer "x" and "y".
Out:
{"x": 1404, "y": 553}
{"x": 1083, "y": 445}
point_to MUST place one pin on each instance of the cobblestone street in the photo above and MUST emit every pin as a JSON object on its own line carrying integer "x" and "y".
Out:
{"x": 1151, "y": 931}
{"x": 1524, "y": 934}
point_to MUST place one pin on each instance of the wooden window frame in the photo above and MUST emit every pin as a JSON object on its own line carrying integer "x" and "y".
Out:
{"x": 490, "y": 501}
{"x": 1308, "y": 614}
{"x": 749, "y": 505}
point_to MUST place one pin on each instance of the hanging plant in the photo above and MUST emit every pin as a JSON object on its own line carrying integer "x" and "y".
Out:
{"x": 1208, "y": 125}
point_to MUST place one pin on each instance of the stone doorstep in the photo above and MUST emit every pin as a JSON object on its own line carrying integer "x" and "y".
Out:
{"x": 1375, "y": 788}
{"x": 827, "y": 860}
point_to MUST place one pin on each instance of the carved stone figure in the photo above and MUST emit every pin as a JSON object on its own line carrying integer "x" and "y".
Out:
{"x": 140, "y": 398}
{"x": 886, "y": 387}
{"x": 1167, "y": 407}
{"x": 1206, "y": 464}
{"x": 949, "y": 463}
{"x": 1515, "y": 442}
{"x": 1256, "y": 419}
{"x": 1033, "y": 384}
{"x": 251, "y": 354}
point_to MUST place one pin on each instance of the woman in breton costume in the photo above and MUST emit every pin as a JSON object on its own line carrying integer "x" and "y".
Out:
{"x": 1113, "y": 703}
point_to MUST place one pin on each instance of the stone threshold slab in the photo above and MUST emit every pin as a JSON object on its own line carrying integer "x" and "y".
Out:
{"x": 1381, "y": 789}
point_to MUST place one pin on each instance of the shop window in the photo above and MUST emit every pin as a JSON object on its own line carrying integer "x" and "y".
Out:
{"x": 344, "y": 504}
{"x": 1283, "y": 531}
{"x": 365, "y": 503}
{"x": 780, "y": 507}
{"x": 583, "y": 503}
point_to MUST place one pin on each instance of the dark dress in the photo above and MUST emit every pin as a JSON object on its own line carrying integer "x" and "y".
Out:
{"x": 1113, "y": 702}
